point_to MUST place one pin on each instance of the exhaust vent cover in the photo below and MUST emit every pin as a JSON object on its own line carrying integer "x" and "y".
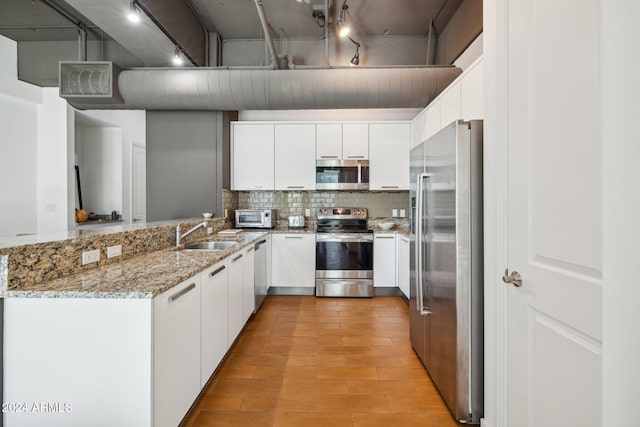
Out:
{"x": 89, "y": 82}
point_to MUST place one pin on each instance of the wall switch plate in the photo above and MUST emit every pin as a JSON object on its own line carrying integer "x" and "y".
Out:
{"x": 90, "y": 256}
{"x": 209, "y": 230}
{"x": 403, "y": 213}
{"x": 394, "y": 212}
{"x": 226, "y": 213}
{"x": 307, "y": 212}
{"x": 114, "y": 251}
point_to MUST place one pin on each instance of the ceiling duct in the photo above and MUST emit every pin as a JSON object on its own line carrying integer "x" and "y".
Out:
{"x": 89, "y": 82}
{"x": 268, "y": 89}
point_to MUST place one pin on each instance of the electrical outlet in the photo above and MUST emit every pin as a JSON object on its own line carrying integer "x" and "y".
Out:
{"x": 403, "y": 213}
{"x": 114, "y": 251}
{"x": 90, "y": 256}
{"x": 307, "y": 212}
{"x": 394, "y": 212}
{"x": 209, "y": 230}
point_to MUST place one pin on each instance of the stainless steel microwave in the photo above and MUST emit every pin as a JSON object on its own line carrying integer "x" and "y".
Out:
{"x": 255, "y": 218}
{"x": 342, "y": 174}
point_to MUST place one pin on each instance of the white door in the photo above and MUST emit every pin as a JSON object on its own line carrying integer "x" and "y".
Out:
{"x": 138, "y": 183}
{"x": 554, "y": 203}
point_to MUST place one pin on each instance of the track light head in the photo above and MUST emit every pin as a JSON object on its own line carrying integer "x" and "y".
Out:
{"x": 134, "y": 13}
{"x": 355, "y": 61}
{"x": 177, "y": 58}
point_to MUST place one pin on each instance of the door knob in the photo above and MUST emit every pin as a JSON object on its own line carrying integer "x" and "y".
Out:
{"x": 514, "y": 278}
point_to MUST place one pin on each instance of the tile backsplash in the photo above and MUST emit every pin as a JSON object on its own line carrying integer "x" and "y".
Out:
{"x": 378, "y": 204}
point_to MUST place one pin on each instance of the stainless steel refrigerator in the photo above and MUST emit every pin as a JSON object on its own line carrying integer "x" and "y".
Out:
{"x": 446, "y": 298}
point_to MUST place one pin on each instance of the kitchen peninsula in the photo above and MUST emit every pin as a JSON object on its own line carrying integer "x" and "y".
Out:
{"x": 130, "y": 343}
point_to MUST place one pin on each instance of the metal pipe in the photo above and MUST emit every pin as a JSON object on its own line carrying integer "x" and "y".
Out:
{"x": 326, "y": 33}
{"x": 267, "y": 32}
{"x": 82, "y": 44}
{"x": 429, "y": 61}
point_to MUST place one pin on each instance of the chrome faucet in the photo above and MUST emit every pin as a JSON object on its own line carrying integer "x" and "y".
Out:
{"x": 180, "y": 236}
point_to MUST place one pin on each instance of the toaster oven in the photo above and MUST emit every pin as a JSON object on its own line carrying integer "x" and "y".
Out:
{"x": 255, "y": 218}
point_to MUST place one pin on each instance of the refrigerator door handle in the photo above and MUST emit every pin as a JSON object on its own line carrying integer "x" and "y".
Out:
{"x": 419, "y": 221}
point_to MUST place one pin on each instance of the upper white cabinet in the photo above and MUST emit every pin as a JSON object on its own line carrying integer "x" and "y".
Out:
{"x": 347, "y": 141}
{"x": 389, "y": 156}
{"x": 295, "y": 156}
{"x": 252, "y": 156}
{"x": 450, "y": 105}
{"x": 462, "y": 99}
{"x": 355, "y": 141}
{"x": 328, "y": 141}
{"x": 471, "y": 93}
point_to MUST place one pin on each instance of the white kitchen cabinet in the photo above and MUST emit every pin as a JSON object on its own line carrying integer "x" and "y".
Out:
{"x": 295, "y": 156}
{"x": 450, "y": 105}
{"x": 328, "y": 141}
{"x": 213, "y": 319}
{"x": 236, "y": 296}
{"x": 402, "y": 263}
{"x": 432, "y": 123}
{"x": 293, "y": 260}
{"x": 346, "y": 141}
{"x": 248, "y": 287}
{"x": 471, "y": 93}
{"x": 389, "y": 156}
{"x": 176, "y": 352}
{"x": 384, "y": 260}
{"x": 252, "y": 156}
{"x": 355, "y": 141}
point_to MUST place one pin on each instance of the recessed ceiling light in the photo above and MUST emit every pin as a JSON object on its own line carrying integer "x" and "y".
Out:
{"x": 177, "y": 58}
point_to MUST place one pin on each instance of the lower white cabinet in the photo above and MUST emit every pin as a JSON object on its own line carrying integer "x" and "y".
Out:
{"x": 236, "y": 298}
{"x": 402, "y": 263}
{"x": 384, "y": 260}
{"x": 135, "y": 362}
{"x": 248, "y": 282}
{"x": 293, "y": 260}
{"x": 176, "y": 352}
{"x": 213, "y": 319}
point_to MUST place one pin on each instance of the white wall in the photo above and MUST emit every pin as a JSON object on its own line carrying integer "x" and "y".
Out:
{"x": 100, "y": 158}
{"x": 18, "y": 147}
{"x": 52, "y": 164}
{"x": 132, "y": 124}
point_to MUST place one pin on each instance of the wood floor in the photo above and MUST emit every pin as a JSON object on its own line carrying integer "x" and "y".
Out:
{"x": 307, "y": 361}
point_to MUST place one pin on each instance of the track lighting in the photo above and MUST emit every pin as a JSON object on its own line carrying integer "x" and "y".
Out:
{"x": 356, "y": 58}
{"x": 177, "y": 58}
{"x": 343, "y": 28}
{"x": 134, "y": 13}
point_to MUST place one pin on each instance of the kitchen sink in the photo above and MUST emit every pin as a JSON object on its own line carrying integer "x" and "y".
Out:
{"x": 210, "y": 246}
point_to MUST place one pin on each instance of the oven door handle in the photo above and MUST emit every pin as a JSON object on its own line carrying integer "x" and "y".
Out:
{"x": 344, "y": 238}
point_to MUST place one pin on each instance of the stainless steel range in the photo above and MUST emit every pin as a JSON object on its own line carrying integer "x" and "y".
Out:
{"x": 344, "y": 253}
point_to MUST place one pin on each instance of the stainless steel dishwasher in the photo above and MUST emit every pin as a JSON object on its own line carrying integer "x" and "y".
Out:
{"x": 260, "y": 273}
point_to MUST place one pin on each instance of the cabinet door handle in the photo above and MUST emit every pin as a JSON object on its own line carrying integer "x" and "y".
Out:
{"x": 237, "y": 258}
{"x": 213, "y": 273}
{"x": 256, "y": 187}
{"x": 186, "y": 290}
{"x": 390, "y": 186}
{"x": 355, "y": 157}
{"x": 328, "y": 157}
{"x": 250, "y": 249}
{"x": 295, "y": 186}
{"x": 384, "y": 237}
{"x": 293, "y": 237}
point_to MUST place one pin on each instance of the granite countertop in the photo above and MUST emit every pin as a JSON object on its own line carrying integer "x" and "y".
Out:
{"x": 144, "y": 276}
